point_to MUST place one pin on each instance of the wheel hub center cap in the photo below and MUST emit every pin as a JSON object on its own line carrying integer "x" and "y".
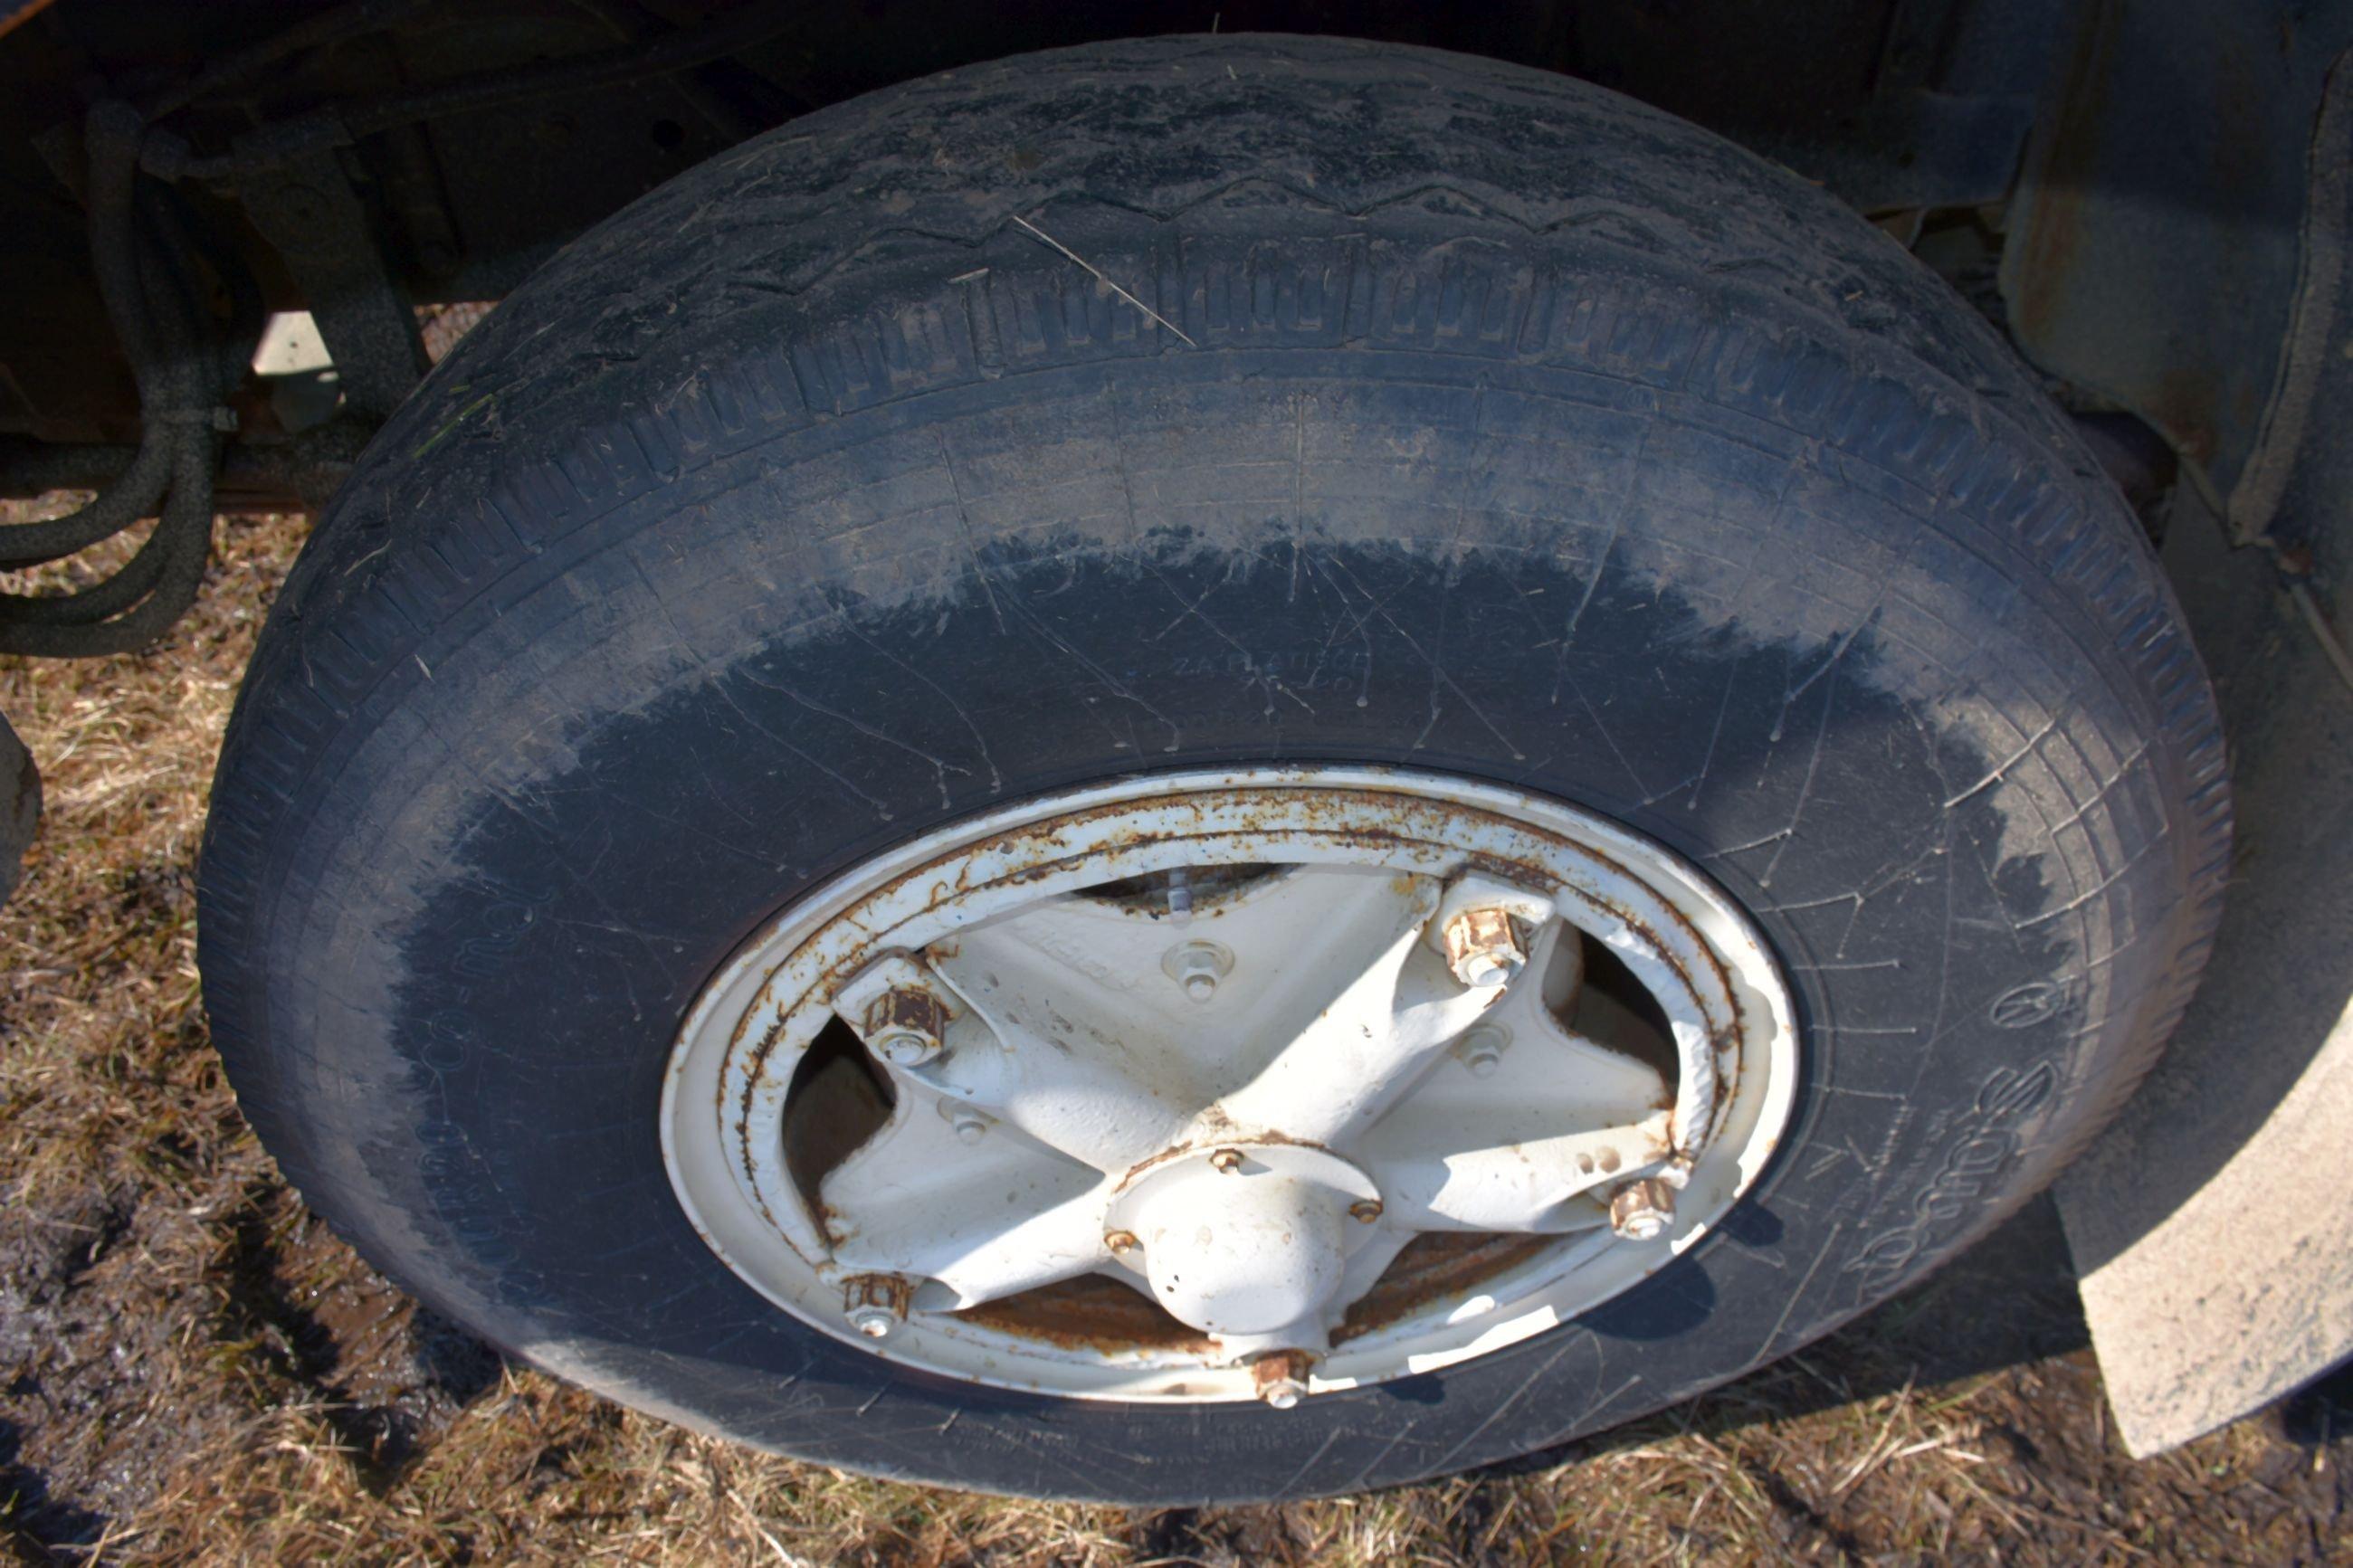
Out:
{"x": 1239, "y": 1086}
{"x": 1247, "y": 1241}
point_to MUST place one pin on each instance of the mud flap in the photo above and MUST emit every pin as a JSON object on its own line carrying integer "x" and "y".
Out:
{"x": 20, "y": 807}
{"x": 2209, "y": 1226}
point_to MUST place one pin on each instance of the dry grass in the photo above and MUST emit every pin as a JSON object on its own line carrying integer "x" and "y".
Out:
{"x": 191, "y": 1370}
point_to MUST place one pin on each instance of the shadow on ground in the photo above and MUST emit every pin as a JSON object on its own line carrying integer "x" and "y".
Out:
{"x": 2008, "y": 1302}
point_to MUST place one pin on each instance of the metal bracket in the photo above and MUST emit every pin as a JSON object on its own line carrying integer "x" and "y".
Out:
{"x": 20, "y": 807}
{"x": 308, "y": 210}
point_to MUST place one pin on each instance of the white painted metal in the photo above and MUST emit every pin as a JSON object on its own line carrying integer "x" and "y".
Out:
{"x": 1249, "y": 1243}
{"x": 1272, "y": 1087}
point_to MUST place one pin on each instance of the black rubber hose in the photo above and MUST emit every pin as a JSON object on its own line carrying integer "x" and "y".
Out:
{"x": 150, "y": 590}
{"x": 159, "y": 583}
{"x": 191, "y": 238}
{"x": 150, "y": 294}
{"x": 124, "y": 502}
{"x": 131, "y": 582}
{"x": 187, "y": 529}
{"x": 113, "y": 132}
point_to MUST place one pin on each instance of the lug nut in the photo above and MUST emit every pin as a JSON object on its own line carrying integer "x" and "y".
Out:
{"x": 1197, "y": 967}
{"x": 1226, "y": 1162}
{"x": 874, "y": 1303}
{"x": 1282, "y": 1393}
{"x": 906, "y": 1028}
{"x": 1481, "y": 948}
{"x": 1281, "y": 1378}
{"x": 1641, "y": 1211}
{"x": 1121, "y": 1241}
{"x": 1365, "y": 1211}
{"x": 1482, "y": 1050}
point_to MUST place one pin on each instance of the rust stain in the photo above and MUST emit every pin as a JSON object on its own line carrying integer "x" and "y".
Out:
{"x": 2181, "y": 406}
{"x": 16, "y": 19}
{"x": 2054, "y": 230}
{"x": 1435, "y": 1266}
{"x": 1280, "y": 1366}
{"x": 1099, "y": 1314}
{"x": 1417, "y": 821}
{"x": 1090, "y": 1313}
{"x": 904, "y": 1008}
{"x": 1045, "y": 849}
{"x": 1216, "y": 1145}
{"x": 1477, "y": 933}
{"x": 893, "y": 1291}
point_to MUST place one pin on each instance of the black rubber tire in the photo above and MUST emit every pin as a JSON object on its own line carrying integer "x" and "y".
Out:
{"x": 1437, "y": 412}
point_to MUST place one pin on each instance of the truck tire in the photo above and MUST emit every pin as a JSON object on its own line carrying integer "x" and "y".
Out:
{"x": 1200, "y": 407}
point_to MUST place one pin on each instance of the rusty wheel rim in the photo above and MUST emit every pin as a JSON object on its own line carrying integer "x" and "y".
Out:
{"x": 1222, "y": 1086}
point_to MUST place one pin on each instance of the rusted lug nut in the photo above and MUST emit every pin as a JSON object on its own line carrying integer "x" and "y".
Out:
{"x": 875, "y": 1304}
{"x": 906, "y": 1028}
{"x": 875, "y": 1322}
{"x": 1365, "y": 1211}
{"x": 1482, "y": 1051}
{"x": 1641, "y": 1211}
{"x": 1483, "y": 950}
{"x": 1281, "y": 1378}
{"x": 1226, "y": 1162}
{"x": 1121, "y": 1241}
{"x": 1197, "y": 967}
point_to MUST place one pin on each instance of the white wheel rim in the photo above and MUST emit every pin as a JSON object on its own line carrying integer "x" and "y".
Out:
{"x": 1240, "y": 1112}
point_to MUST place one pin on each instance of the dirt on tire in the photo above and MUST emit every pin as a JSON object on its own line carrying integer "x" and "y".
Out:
{"x": 195, "y": 1369}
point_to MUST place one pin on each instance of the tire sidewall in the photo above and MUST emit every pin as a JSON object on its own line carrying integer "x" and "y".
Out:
{"x": 517, "y": 1021}
{"x": 670, "y": 647}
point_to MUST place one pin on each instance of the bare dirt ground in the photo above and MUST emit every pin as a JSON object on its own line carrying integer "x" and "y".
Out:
{"x": 193, "y": 1369}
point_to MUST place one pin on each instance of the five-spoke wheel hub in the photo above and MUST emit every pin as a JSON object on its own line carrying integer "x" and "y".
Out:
{"x": 1214, "y": 1086}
